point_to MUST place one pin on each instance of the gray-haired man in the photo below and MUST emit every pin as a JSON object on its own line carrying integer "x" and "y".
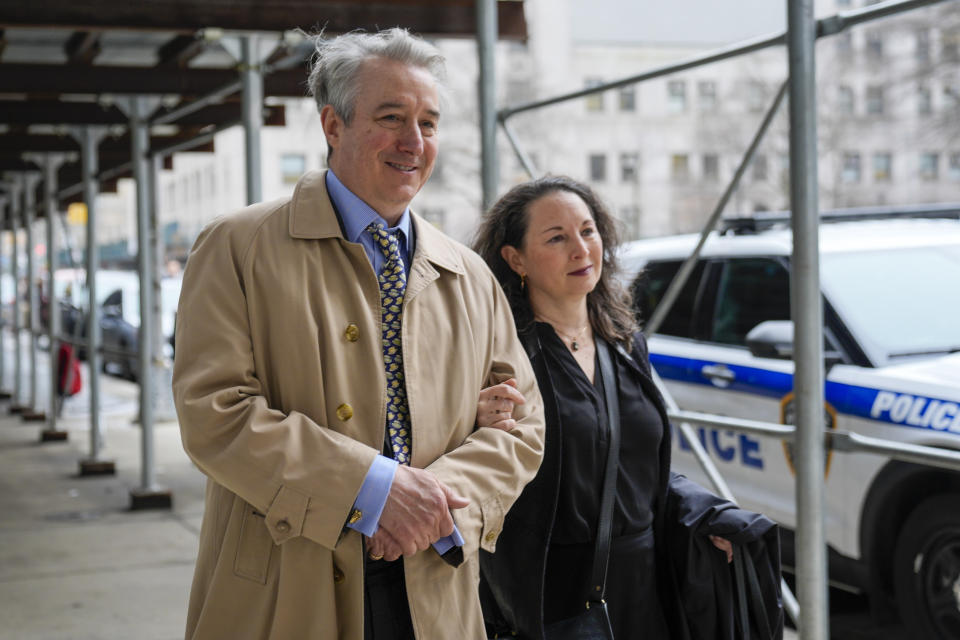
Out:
{"x": 330, "y": 351}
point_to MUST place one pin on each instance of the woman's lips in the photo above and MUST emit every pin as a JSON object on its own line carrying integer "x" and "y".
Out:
{"x": 582, "y": 272}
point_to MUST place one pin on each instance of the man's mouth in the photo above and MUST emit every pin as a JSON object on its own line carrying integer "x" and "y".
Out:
{"x": 402, "y": 167}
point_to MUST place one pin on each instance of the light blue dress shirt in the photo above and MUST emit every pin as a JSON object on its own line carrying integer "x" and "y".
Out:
{"x": 355, "y": 216}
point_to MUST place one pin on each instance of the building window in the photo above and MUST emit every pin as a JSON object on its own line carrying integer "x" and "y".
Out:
{"x": 844, "y": 43}
{"x": 629, "y": 167}
{"x": 594, "y": 100}
{"x": 598, "y": 167}
{"x": 929, "y": 166}
{"x": 677, "y": 96}
{"x": 845, "y": 100}
{"x": 951, "y": 45}
{"x": 951, "y": 98}
{"x": 851, "y": 167}
{"x": 954, "y": 170}
{"x": 628, "y": 98}
{"x": 924, "y": 101}
{"x": 882, "y": 167}
{"x": 843, "y": 4}
{"x": 680, "y": 167}
{"x": 922, "y": 48}
{"x": 711, "y": 167}
{"x": 756, "y": 95}
{"x": 630, "y": 217}
{"x": 875, "y": 101}
{"x": 874, "y": 46}
{"x": 707, "y": 90}
{"x": 759, "y": 164}
{"x": 292, "y": 166}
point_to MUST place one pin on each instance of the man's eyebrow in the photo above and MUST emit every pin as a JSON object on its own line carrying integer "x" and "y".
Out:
{"x": 397, "y": 105}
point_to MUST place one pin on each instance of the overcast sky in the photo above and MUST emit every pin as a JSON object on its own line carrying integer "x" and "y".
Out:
{"x": 675, "y": 21}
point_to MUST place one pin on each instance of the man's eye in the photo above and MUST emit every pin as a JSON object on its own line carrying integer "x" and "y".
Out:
{"x": 391, "y": 120}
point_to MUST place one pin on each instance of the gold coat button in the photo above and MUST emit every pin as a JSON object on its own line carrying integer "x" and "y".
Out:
{"x": 283, "y": 526}
{"x": 344, "y": 412}
{"x": 351, "y": 333}
{"x": 338, "y": 576}
{"x": 490, "y": 537}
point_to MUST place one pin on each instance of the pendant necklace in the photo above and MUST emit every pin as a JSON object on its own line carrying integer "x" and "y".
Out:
{"x": 574, "y": 340}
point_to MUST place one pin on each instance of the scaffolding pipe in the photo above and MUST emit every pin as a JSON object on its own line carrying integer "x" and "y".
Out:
{"x": 30, "y": 181}
{"x": 824, "y": 27}
{"x": 139, "y": 135}
{"x": 15, "y": 218}
{"x": 252, "y": 114}
{"x": 673, "y": 290}
{"x": 487, "y": 92}
{"x": 807, "y": 312}
{"x": 5, "y": 214}
{"x": 50, "y": 165}
{"x": 90, "y": 139}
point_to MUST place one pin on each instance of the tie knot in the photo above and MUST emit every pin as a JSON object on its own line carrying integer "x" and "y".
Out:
{"x": 388, "y": 243}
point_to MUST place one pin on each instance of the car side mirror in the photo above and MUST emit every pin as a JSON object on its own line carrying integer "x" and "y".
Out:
{"x": 771, "y": 339}
{"x": 112, "y": 310}
{"x": 774, "y": 339}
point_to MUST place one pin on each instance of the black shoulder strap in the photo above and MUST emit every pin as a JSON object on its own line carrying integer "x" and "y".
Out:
{"x": 601, "y": 553}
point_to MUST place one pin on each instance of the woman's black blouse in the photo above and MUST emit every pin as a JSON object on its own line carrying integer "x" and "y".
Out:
{"x": 584, "y": 447}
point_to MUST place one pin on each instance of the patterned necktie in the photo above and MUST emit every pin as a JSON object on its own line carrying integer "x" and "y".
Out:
{"x": 393, "y": 283}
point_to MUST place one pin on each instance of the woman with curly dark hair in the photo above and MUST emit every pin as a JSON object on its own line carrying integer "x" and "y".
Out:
{"x": 551, "y": 242}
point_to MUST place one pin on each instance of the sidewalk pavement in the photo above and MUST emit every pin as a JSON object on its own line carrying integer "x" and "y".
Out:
{"x": 75, "y": 562}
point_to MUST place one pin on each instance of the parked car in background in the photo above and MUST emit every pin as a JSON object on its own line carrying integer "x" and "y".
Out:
{"x": 891, "y": 305}
{"x": 120, "y": 325}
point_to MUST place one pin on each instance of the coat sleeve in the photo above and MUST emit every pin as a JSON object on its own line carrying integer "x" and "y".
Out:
{"x": 491, "y": 467}
{"x": 303, "y": 476}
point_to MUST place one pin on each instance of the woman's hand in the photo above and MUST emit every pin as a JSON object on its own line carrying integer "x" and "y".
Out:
{"x": 495, "y": 405}
{"x": 724, "y": 545}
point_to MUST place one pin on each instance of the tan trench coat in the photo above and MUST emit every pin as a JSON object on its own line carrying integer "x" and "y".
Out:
{"x": 281, "y": 395}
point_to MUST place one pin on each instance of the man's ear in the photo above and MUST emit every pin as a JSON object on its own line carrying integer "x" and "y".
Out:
{"x": 513, "y": 258}
{"x": 332, "y": 126}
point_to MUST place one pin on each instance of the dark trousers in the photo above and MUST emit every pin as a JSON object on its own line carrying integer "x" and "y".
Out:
{"x": 386, "y": 613}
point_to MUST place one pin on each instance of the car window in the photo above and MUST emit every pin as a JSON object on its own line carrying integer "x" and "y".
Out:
{"x": 750, "y": 291}
{"x": 902, "y": 302}
{"x": 649, "y": 288}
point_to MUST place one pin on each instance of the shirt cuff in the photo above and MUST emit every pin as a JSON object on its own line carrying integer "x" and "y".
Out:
{"x": 446, "y": 543}
{"x": 365, "y": 516}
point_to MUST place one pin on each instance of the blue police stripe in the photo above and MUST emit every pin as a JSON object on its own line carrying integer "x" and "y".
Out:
{"x": 901, "y": 409}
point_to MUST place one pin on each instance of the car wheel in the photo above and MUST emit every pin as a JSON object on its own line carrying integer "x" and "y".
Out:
{"x": 926, "y": 568}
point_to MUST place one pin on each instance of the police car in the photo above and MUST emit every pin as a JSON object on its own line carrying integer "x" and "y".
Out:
{"x": 891, "y": 296}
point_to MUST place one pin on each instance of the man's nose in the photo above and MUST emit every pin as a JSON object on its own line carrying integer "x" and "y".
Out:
{"x": 411, "y": 138}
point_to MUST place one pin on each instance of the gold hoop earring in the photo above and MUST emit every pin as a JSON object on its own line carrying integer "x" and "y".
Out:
{"x": 523, "y": 281}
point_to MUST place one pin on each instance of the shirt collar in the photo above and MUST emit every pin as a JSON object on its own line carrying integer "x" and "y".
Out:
{"x": 356, "y": 215}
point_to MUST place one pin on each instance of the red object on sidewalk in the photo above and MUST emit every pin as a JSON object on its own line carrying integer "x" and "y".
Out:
{"x": 67, "y": 363}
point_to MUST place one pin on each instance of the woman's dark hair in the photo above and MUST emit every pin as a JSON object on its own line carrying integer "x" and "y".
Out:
{"x": 608, "y": 305}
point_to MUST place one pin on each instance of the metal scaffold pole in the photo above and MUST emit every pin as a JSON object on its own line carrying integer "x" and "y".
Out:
{"x": 15, "y": 218}
{"x": 148, "y": 495}
{"x": 30, "y": 181}
{"x": 808, "y": 322}
{"x": 50, "y": 164}
{"x": 90, "y": 138}
{"x": 486, "y": 49}
{"x": 252, "y": 113}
